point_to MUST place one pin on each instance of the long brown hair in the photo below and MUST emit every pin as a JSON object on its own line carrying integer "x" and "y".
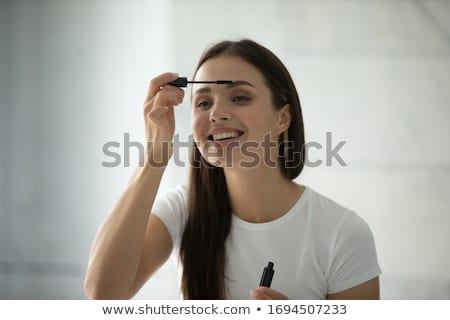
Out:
{"x": 202, "y": 250}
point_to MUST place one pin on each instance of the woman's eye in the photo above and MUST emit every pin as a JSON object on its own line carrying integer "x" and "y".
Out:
{"x": 241, "y": 99}
{"x": 202, "y": 104}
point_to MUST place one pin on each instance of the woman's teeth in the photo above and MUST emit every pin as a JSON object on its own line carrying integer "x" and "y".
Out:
{"x": 225, "y": 135}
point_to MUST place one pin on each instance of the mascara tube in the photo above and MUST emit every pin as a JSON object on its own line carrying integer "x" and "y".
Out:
{"x": 267, "y": 275}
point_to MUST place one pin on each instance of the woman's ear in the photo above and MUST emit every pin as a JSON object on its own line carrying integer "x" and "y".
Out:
{"x": 284, "y": 118}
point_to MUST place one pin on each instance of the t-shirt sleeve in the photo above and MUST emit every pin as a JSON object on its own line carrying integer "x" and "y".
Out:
{"x": 171, "y": 207}
{"x": 354, "y": 258}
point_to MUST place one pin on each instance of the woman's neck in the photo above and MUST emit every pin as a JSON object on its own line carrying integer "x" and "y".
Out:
{"x": 261, "y": 194}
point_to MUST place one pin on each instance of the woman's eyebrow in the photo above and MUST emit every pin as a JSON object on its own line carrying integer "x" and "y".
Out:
{"x": 239, "y": 83}
{"x": 229, "y": 86}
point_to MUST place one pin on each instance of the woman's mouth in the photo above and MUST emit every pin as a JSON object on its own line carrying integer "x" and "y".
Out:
{"x": 224, "y": 139}
{"x": 224, "y": 136}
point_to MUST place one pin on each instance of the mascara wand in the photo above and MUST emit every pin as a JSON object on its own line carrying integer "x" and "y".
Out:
{"x": 183, "y": 82}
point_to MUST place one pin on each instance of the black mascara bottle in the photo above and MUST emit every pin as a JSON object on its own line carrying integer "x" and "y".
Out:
{"x": 267, "y": 275}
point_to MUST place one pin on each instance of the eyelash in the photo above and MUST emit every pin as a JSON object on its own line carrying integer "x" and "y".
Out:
{"x": 236, "y": 99}
{"x": 200, "y": 104}
{"x": 241, "y": 99}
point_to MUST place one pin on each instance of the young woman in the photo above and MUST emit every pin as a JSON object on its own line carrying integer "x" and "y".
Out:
{"x": 241, "y": 208}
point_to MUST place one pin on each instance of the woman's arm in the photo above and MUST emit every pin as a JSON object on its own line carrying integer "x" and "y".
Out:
{"x": 118, "y": 248}
{"x": 132, "y": 244}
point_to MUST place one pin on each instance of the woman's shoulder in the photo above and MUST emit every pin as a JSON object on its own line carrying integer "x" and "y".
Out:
{"x": 171, "y": 207}
{"x": 179, "y": 191}
{"x": 170, "y": 201}
{"x": 324, "y": 203}
{"x": 328, "y": 211}
{"x": 336, "y": 222}
{"x": 174, "y": 194}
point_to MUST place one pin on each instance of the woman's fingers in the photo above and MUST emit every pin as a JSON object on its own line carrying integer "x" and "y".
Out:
{"x": 265, "y": 293}
{"x": 166, "y": 96}
{"x": 159, "y": 113}
{"x": 158, "y": 82}
{"x": 163, "y": 101}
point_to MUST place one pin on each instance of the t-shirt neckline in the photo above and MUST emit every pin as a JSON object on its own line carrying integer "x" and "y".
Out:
{"x": 295, "y": 209}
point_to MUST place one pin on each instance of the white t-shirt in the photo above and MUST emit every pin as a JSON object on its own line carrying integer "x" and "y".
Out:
{"x": 318, "y": 247}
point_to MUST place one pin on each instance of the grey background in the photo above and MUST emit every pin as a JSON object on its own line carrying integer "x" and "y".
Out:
{"x": 73, "y": 76}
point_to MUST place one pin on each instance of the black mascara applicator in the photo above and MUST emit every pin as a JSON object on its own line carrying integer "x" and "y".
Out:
{"x": 183, "y": 82}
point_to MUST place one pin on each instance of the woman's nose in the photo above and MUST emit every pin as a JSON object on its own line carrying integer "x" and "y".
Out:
{"x": 219, "y": 114}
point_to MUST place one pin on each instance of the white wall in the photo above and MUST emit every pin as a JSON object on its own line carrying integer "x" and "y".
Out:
{"x": 3, "y": 101}
{"x": 375, "y": 73}
{"x": 77, "y": 74}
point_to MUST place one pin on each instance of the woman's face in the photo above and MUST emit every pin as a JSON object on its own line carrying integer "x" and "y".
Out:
{"x": 235, "y": 124}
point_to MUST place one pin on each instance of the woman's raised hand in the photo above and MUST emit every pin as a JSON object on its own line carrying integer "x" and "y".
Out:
{"x": 159, "y": 117}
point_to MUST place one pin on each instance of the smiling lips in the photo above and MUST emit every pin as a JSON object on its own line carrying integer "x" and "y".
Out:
{"x": 225, "y": 135}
